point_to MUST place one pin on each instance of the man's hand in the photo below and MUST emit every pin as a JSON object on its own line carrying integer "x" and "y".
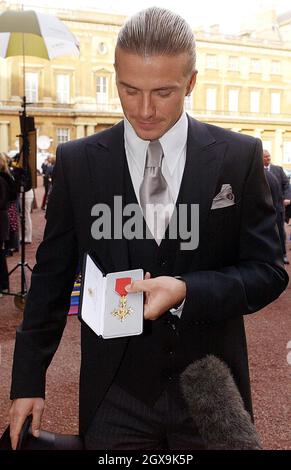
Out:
{"x": 286, "y": 202}
{"x": 161, "y": 294}
{"x": 20, "y": 409}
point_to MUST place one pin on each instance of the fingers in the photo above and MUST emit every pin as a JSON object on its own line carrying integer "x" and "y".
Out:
{"x": 140, "y": 286}
{"x": 146, "y": 295}
{"x": 36, "y": 420}
{"x": 151, "y": 312}
{"x": 20, "y": 409}
{"x": 147, "y": 312}
{"x": 16, "y": 424}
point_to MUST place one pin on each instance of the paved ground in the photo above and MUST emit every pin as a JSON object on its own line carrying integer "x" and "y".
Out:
{"x": 268, "y": 332}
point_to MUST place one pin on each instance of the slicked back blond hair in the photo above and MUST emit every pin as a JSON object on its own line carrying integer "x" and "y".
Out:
{"x": 157, "y": 31}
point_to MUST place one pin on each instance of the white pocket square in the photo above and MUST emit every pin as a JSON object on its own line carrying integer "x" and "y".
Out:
{"x": 224, "y": 198}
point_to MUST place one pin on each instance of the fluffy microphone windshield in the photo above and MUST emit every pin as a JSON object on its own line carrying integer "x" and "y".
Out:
{"x": 216, "y": 406}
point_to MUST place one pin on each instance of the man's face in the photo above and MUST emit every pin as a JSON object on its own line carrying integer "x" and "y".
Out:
{"x": 266, "y": 158}
{"x": 152, "y": 91}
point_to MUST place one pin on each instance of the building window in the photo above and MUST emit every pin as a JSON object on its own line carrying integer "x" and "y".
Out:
{"x": 255, "y": 101}
{"x": 233, "y": 100}
{"x": 233, "y": 63}
{"x": 275, "y": 102}
{"x": 211, "y": 99}
{"x": 102, "y": 48}
{"x": 102, "y": 89}
{"x": 31, "y": 87}
{"x": 63, "y": 135}
{"x": 188, "y": 103}
{"x": 211, "y": 61}
{"x": 255, "y": 66}
{"x": 287, "y": 152}
{"x": 276, "y": 67}
{"x": 63, "y": 88}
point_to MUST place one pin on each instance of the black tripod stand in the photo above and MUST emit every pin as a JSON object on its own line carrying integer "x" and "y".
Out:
{"x": 26, "y": 125}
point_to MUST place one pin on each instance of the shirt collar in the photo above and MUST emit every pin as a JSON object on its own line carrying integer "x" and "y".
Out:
{"x": 173, "y": 143}
{"x": 135, "y": 147}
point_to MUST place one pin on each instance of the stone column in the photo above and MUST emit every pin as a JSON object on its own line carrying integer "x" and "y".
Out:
{"x": 4, "y": 136}
{"x": 90, "y": 130}
{"x": 258, "y": 133}
{"x": 278, "y": 147}
{"x": 80, "y": 131}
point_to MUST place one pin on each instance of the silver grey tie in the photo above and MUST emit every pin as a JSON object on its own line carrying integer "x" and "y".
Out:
{"x": 155, "y": 197}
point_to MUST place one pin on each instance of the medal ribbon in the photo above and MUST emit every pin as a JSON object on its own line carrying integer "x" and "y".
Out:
{"x": 120, "y": 284}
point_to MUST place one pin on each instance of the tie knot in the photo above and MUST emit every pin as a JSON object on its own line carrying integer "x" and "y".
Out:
{"x": 154, "y": 154}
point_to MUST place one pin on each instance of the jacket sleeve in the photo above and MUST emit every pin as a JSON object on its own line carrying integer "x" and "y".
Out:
{"x": 48, "y": 300}
{"x": 258, "y": 277}
{"x": 286, "y": 186}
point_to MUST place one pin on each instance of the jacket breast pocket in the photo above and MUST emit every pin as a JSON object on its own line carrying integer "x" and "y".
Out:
{"x": 223, "y": 215}
{"x": 222, "y": 232}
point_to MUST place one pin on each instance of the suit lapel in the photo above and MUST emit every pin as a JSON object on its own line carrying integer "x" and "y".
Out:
{"x": 106, "y": 159}
{"x": 202, "y": 168}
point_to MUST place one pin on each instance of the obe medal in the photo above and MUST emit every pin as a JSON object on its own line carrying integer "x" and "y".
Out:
{"x": 123, "y": 310}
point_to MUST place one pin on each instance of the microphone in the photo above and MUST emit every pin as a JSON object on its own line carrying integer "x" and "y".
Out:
{"x": 216, "y": 406}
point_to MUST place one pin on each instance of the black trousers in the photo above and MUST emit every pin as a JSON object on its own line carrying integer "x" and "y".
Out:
{"x": 123, "y": 422}
{"x": 281, "y": 229}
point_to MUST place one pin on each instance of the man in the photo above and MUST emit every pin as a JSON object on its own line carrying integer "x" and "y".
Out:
{"x": 275, "y": 192}
{"x": 284, "y": 185}
{"x": 129, "y": 388}
{"x": 45, "y": 178}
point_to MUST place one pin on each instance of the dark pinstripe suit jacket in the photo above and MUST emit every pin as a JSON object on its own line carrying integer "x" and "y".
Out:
{"x": 235, "y": 270}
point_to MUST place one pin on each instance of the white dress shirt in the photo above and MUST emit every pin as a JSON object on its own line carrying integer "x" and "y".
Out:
{"x": 174, "y": 144}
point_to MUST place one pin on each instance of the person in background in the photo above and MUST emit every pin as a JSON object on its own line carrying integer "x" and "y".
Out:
{"x": 7, "y": 195}
{"x": 24, "y": 183}
{"x": 12, "y": 244}
{"x": 285, "y": 197}
{"x": 50, "y": 172}
{"x": 29, "y": 198}
{"x": 44, "y": 167}
{"x": 47, "y": 172}
{"x": 276, "y": 196}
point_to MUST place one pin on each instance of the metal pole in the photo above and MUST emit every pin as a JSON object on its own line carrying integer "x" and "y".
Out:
{"x": 23, "y": 61}
{"x": 23, "y": 283}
